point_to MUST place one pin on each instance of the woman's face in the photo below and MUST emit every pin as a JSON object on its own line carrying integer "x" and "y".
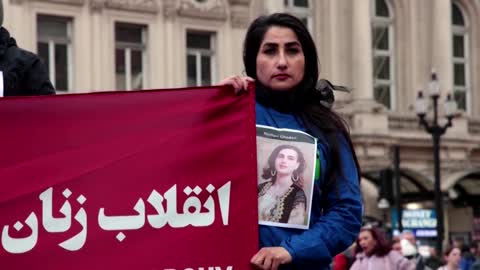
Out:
{"x": 280, "y": 59}
{"x": 454, "y": 257}
{"x": 366, "y": 241}
{"x": 286, "y": 161}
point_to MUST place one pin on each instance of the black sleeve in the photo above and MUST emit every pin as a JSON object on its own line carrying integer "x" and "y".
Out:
{"x": 36, "y": 80}
{"x": 300, "y": 198}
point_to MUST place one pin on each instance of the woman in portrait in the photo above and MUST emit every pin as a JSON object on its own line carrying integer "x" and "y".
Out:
{"x": 281, "y": 198}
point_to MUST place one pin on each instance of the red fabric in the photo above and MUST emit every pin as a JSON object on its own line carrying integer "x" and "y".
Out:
{"x": 115, "y": 149}
{"x": 340, "y": 262}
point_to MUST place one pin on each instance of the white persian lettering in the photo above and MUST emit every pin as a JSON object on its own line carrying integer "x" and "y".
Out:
{"x": 58, "y": 225}
{"x": 76, "y": 242}
{"x": 195, "y": 213}
{"x": 204, "y": 268}
{"x": 160, "y": 219}
{"x": 21, "y": 245}
{"x": 224, "y": 198}
{"x": 116, "y": 223}
{"x": 50, "y": 223}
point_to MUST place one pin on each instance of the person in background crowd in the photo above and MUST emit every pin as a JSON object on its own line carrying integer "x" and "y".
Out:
{"x": 410, "y": 251}
{"x": 476, "y": 264}
{"x": 280, "y": 57}
{"x": 469, "y": 257}
{"x": 452, "y": 256}
{"x": 23, "y": 72}
{"x": 396, "y": 244}
{"x": 433, "y": 261}
{"x": 458, "y": 243}
{"x": 374, "y": 252}
{"x": 344, "y": 260}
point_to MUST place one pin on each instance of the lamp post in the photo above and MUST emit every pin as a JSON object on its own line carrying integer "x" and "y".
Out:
{"x": 384, "y": 205}
{"x": 436, "y": 130}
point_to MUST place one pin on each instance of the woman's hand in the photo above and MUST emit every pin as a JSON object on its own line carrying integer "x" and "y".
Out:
{"x": 270, "y": 258}
{"x": 238, "y": 83}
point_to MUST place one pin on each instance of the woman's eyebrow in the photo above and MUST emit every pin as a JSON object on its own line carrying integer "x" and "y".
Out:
{"x": 292, "y": 44}
{"x": 270, "y": 44}
{"x": 288, "y": 44}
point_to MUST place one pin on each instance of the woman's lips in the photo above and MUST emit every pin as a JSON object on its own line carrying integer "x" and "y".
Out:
{"x": 281, "y": 76}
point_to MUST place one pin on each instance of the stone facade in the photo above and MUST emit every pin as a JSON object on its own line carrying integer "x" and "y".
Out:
{"x": 342, "y": 30}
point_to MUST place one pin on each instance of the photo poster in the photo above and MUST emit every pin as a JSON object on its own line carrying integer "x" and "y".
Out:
{"x": 288, "y": 204}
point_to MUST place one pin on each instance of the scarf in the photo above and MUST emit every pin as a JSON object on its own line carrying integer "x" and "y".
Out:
{"x": 290, "y": 101}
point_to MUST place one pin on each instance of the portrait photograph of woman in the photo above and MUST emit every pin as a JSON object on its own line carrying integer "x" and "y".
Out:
{"x": 286, "y": 171}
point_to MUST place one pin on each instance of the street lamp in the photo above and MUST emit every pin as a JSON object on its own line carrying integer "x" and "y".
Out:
{"x": 384, "y": 205}
{"x": 436, "y": 130}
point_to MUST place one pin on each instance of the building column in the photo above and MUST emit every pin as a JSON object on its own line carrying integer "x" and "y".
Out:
{"x": 367, "y": 116}
{"x": 96, "y": 36}
{"x": 442, "y": 44}
{"x": 362, "y": 71}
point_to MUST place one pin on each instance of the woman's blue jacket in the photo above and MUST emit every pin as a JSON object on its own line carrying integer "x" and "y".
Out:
{"x": 336, "y": 214}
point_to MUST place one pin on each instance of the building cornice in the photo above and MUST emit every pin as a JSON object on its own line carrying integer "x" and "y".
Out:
{"x": 67, "y": 2}
{"x": 237, "y": 10}
{"x": 206, "y": 9}
{"x": 149, "y": 6}
{"x": 240, "y": 13}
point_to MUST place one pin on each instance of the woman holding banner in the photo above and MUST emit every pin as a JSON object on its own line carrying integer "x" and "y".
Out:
{"x": 282, "y": 199}
{"x": 280, "y": 57}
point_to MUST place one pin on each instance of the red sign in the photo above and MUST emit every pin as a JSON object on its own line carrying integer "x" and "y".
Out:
{"x": 140, "y": 180}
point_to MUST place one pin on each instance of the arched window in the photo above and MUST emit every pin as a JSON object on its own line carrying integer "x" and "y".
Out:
{"x": 382, "y": 39}
{"x": 460, "y": 56}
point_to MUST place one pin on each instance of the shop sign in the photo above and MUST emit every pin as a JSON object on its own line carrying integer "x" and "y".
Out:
{"x": 422, "y": 222}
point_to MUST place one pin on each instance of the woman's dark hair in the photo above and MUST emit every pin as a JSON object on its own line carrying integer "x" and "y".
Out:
{"x": 268, "y": 172}
{"x": 320, "y": 121}
{"x": 447, "y": 252}
{"x": 382, "y": 247}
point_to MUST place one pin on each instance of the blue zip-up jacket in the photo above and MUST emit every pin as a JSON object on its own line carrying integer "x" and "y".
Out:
{"x": 336, "y": 214}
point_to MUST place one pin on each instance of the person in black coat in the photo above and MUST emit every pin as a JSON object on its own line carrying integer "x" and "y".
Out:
{"x": 24, "y": 74}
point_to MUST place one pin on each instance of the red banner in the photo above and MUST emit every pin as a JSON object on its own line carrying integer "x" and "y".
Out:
{"x": 140, "y": 180}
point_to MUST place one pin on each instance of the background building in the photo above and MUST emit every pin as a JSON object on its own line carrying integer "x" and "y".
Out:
{"x": 384, "y": 49}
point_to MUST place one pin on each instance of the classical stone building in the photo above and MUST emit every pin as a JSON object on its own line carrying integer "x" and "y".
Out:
{"x": 383, "y": 49}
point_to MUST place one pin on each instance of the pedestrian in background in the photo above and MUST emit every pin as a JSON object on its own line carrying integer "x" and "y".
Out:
{"x": 469, "y": 257}
{"x": 344, "y": 260}
{"x": 433, "y": 261}
{"x": 396, "y": 244}
{"x": 452, "y": 256}
{"x": 22, "y": 72}
{"x": 409, "y": 246}
{"x": 374, "y": 252}
{"x": 475, "y": 265}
